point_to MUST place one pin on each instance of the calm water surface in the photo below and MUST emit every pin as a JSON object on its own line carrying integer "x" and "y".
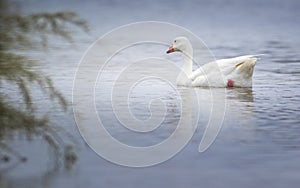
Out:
{"x": 259, "y": 143}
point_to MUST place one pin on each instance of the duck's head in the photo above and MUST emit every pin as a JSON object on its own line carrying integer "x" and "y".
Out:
{"x": 180, "y": 44}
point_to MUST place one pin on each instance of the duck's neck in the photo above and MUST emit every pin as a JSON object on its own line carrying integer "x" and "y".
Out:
{"x": 188, "y": 62}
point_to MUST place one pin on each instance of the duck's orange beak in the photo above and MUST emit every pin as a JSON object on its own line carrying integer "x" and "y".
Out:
{"x": 171, "y": 49}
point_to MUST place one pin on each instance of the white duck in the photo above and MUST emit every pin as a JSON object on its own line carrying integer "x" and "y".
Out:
{"x": 233, "y": 72}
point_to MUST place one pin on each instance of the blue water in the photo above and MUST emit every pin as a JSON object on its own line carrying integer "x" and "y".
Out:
{"x": 258, "y": 145}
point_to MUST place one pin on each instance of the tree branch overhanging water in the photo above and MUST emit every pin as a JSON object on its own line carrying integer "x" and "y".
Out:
{"x": 17, "y": 71}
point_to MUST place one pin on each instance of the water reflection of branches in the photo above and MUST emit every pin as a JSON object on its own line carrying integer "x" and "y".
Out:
{"x": 16, "y": 71}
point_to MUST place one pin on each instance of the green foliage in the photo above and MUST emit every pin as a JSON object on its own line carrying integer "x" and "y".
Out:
{"x": 28, "y": 31}
{"x": 17, "y": 71}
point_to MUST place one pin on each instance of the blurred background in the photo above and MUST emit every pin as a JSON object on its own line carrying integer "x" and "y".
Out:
{"x": 42, "y": 43}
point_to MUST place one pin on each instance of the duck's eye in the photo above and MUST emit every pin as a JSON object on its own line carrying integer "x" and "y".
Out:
{"x": 174, "y": 41}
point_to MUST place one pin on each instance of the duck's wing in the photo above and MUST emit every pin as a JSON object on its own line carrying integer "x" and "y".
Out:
{"x": 241, "y": 64}
{"x": 217, "y": 72}
{"x": 225, "y": 66}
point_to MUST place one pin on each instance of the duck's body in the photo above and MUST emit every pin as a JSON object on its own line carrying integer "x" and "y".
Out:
{"x": 233, "y": 72}
{"x": 236, "y": 72}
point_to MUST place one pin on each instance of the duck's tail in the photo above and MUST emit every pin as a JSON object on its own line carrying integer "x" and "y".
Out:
{"x": 246, "y": 67}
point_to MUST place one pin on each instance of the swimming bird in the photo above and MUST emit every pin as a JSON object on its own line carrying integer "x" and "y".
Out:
{"x": 232, "y": 72}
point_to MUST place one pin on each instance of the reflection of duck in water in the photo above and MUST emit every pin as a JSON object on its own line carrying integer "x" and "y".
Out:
{"x": 240, "y": 103}
{"x": 240, "y": 94}
{"x": 233, "y": 72}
